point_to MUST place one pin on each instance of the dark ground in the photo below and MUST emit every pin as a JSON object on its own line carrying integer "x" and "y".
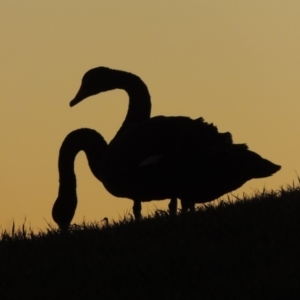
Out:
{"x": 249, "y": 249}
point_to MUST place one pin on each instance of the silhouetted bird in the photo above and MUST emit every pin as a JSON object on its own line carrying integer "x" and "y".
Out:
{"x": 94, "y": 146}
{"x": 168, "y": 157}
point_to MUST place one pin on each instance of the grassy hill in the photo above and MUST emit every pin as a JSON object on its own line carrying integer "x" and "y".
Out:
{"x": 247, "y": 249}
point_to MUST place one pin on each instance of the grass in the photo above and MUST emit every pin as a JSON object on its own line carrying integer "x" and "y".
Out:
{"x": 246, "y": 249}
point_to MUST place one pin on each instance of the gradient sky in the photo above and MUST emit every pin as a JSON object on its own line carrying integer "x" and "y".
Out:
{"x": 235, "y": 63}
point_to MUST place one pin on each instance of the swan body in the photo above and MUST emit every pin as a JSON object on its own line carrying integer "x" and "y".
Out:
{"x": 168, "y": 157}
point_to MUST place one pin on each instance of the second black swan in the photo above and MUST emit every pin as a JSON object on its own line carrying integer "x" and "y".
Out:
{"x": 94, "y": 146}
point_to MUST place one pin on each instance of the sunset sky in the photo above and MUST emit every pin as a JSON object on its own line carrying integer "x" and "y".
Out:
{"x": 235, "y": 63}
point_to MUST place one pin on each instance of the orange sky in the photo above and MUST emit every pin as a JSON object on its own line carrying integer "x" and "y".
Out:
{"x": 236, "y": 63}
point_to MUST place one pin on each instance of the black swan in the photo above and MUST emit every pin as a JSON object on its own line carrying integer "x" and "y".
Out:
{"x": 94, "y": 146}
{"x": 167, "y": 157}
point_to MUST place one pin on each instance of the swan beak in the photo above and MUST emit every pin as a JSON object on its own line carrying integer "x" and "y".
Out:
{"x": 79, "y": 97}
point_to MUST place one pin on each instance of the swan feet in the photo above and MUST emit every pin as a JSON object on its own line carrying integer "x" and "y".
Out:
{"x": 185, "y": 206}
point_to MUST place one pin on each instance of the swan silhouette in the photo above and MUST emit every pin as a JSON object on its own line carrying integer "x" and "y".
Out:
{"x": 94, "y": 146}
{"x": 167, "y": 157}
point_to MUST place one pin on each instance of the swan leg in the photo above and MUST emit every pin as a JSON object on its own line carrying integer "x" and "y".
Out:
{"x": 173, "y": 206}
{"x": 192, "y": 207}
{"x": 137, "y": 208}
{"x": 185, "y": 205}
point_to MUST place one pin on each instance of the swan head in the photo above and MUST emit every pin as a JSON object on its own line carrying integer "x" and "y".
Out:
{"x": 95, "y": 81}
{"x": 64, "y": 209}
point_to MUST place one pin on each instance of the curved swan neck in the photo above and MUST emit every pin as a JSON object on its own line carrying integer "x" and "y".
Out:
{"x": 87, "y": 140}
{"x": 139, "y": 108}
